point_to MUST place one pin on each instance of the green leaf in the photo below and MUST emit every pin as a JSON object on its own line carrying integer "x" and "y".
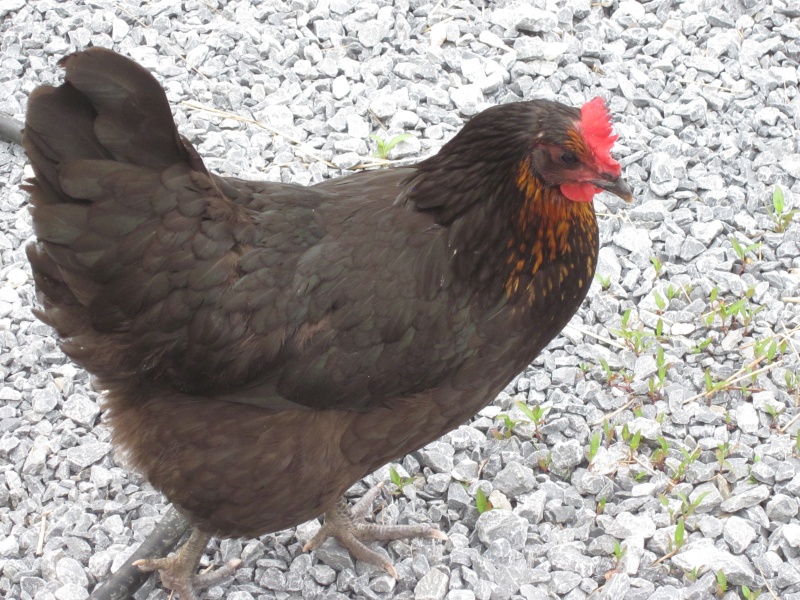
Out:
{"x": 395, "y": 478}
{"x": 660, "y": 303}
{"x": 722, "y": 581}
{"x": 778, "y": 200}
{"x": 397, "y": 140}
{"x": 635, "y": 441}
{"x": 679, "y": 532}
{"x": 737, "y": 247}
{"x": 709, "y": 381}
{"x": 385, "y": 147}
{"x": 481, "y": 502}
{"x": 594, "y": 445}
{"x": 535, "y": 414}
{"x": 606, "y": 368}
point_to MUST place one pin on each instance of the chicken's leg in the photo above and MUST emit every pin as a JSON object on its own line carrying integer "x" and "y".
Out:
{"x": 346, "y": 526}
{"x": 178, "y": 572}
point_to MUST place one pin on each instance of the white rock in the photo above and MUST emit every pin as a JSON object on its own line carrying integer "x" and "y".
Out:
{"x": 340, "y": 87}
{"x": 791, "y": 533}
{"x": 627, "y": 525}
{"x": 702, "y": 554}
{"x": 467, "y": 98}
{"x": 738, "y": 534}
{"x": 747, "y": 418}
{"x": 791, "y": 164}
{"x": 16, "y": 278}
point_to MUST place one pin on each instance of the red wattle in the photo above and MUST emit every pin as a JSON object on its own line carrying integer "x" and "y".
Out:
{"x": 579, "y": 192}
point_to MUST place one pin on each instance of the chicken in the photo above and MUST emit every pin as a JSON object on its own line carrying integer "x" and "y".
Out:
{"x": 263, "y": 346}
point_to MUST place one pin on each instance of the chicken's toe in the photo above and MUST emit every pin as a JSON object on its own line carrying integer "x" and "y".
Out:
{"x": 178, "y": 572}
{"x": 346, "y": 526}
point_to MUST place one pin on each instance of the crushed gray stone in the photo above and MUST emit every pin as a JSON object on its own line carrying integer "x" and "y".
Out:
{"x": 705, "y": 101}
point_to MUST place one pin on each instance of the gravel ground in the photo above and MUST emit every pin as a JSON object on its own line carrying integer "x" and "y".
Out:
{"x": 660, "y": 446}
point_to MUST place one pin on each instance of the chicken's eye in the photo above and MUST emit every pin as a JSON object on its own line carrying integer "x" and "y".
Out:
{"x": 569, "y": 159}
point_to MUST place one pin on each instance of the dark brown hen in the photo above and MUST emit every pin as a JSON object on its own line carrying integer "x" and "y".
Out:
{"x": 263, "y": 346}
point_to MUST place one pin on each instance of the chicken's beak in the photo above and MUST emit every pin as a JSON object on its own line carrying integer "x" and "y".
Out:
{"x": 618, "y": 187}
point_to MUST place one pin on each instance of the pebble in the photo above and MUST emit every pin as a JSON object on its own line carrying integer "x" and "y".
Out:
{"x": 432, "y": 586}
{"x": 497, "y": 524}
{"x": 738, "y": 533}
{"x": 703, "y": 554}
{"x": 514, "y": 480}
{"x": 746, "y": 498}
{"x": 627, "y": 525}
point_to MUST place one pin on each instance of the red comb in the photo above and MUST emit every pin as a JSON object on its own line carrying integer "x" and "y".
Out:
{"x": 596, "y": 128}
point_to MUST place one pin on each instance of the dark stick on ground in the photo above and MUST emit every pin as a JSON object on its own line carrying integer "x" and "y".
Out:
{"x": 162, "y": 540}
{"x": 10, "y": 130}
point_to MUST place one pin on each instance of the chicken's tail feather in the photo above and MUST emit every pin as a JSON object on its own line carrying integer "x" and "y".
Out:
{"x": 109, "y": 164}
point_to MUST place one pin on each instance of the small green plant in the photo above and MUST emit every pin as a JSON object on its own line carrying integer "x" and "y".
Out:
{"x": 688, "y": 459}
{"x": 397, "y": 480}
{"x": 699, "y": 347}
{"x": 620, "y": 379}
{"x": 507, "y": 429}
{"x": 626, "y": 433}
{"x": 637, "y": 340}
{"x": 665, "y": 503}
{"x": 712, "y": 299}
{"x": 601, "y": 505}
{"x": 605, "y": 282}
{"x": 545, "y": 462}
{"x": 792, "y": 380}
{"x": 774, "y": 413}
{"x": 680, "y": 534}
{"x": 384, "y": 147}
{"x": 782, "y": 219}
{"x": 606, "y": 369}
{"x": 769, "y": 348}
{"x": 722, "y": 583}
{"x": 692, "y": 575}
{"x": 672, "y": 291}
{"x": 594, "y": 446}
{"x": 660, "y": 454}
{"x": 722, "y": 452}
{"x": 608, "y": 432}
{"x": 535, "y": 414}
{"x": 712, "y": 387}
{"x": 660, "y": 329}
{"x": 655, "y": 385}
{"x": 482, "y": 502}
{"x": 657, "y": 265}
{"x": 797, "y": 443}
{"x": 619, "y": 551}
{"x": 742, "y": 251}
{"x": 749, "y": 594}
{"x": 636, "y": 439}
{"x": 739, "y": 310}
{"x": 688, "y": 507}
